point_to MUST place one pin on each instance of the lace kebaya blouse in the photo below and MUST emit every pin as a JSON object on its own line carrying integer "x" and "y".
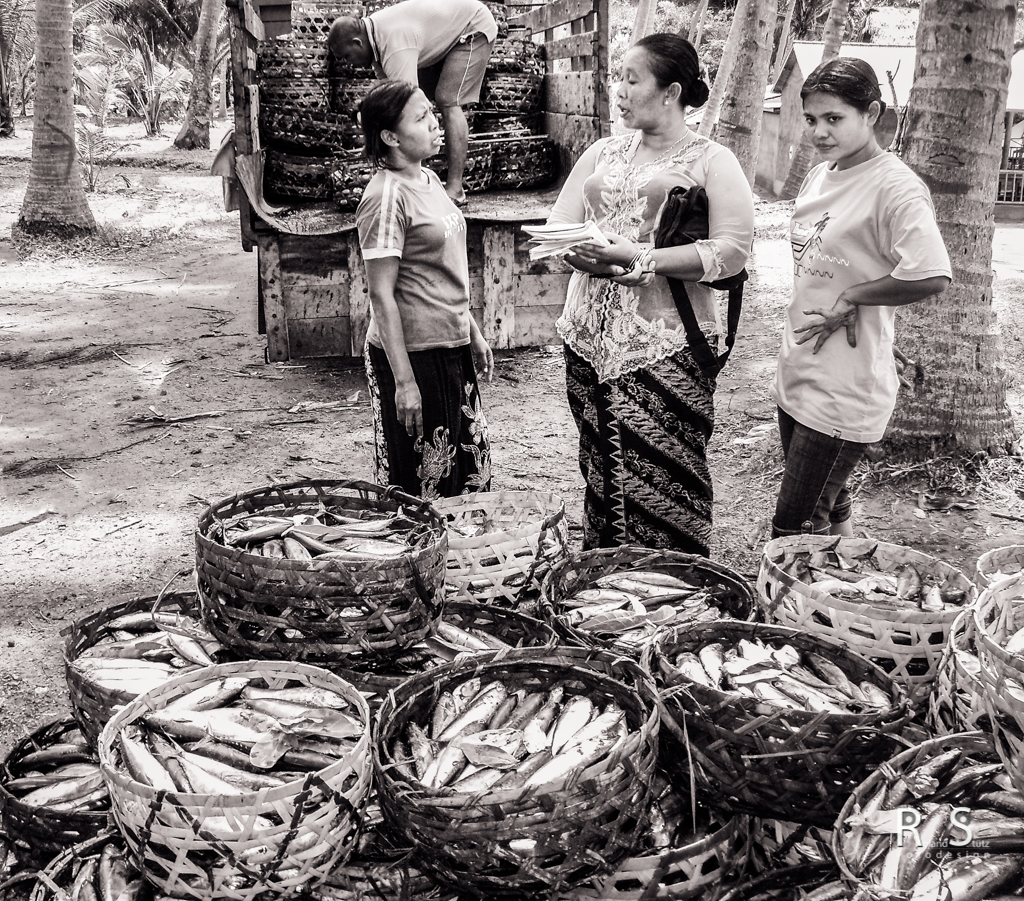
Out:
{"x": 619, "y": 329}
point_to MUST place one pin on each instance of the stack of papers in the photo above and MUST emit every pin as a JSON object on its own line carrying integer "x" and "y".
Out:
{"x": 552, "y": 240}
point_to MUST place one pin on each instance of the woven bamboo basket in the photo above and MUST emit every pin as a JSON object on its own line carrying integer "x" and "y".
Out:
{"x": 478, "y": 173}
{"x": 39, "y": 832}
{"x": 347, "y": 93}
{"x": 849, "y": 843}
{"x": 351, "y": 172}
{"x": 523, "y": 162}
{"x": 781, "y": 844}
{"x": 755, "y": 757}
{"x": 290, "y": 57}
{"x": 297, "y": 176}
{"x": 906, "y": 642}
{"x": 725, "y": 588}
{"x": 324, "y": 133}
{"x": 500, "y": 16}
{"x": 800, "y": 882}
{"x": 59, "y": 873}
{"x": 998, "y": 564}
{"x": 513, "y": 92}
{"x": 511, "y": 627}
{"x": 501, "y": 544}
{"x": 314, "y": 820}
{"x": 93, "y": 703}
{"x": 309, "y": 95}
{"x": 998, "y": 615}
{"x": 957, "y": 699}
{"x": 516, "y": 54}
{"x": 360, "y": 612}
{"x": 526, "y": 841}
{"x": 487, "y": 126}
{"x": 313, "y": 18}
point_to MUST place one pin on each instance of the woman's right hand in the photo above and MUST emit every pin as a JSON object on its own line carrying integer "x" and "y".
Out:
{"x": 409, "y": 405}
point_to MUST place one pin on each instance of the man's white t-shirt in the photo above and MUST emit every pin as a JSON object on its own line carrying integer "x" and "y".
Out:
{"x": 849, "y": 227}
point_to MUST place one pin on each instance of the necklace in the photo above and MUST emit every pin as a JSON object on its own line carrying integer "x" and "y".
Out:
{"x": 660, "y": 156}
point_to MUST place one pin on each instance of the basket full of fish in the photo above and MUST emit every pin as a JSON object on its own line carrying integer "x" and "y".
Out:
{"x": 94, "y": 869}
{"x": 957, "y": 699}
{"x": 120, "y": 651}
{"x": 321, "y": 571}
{"x": 893, "y": 604}
{"x": 240, "y": 780}
{"x": 52, "y": 792}
{"x": 998, "y": 619}
{"x": 617, "y": 598}
{"x": 998, "y": 564}
{"x": 687, "y": 852}
{"x": 523, "y": 774}
{"x": 501, "y": 544}
{"x": 939, "y": 822}
{"x": 769, "y": 720}
{"x": 466, "y": 628}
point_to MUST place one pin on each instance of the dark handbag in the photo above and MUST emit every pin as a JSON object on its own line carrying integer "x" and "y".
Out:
{"x": 684, "y": 221}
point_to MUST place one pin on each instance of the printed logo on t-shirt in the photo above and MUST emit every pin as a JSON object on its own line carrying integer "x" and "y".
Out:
{"x": 808, "y": 258}
{"x": 453, "y": 224}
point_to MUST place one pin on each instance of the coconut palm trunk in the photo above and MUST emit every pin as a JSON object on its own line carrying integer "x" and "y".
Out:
{"x": 805, "y": 154}
{"x": 55, "y": 197}
{"x": 195, "y": 130}
{"x": 954, "y": 142}
{"x": 6, "y": 113}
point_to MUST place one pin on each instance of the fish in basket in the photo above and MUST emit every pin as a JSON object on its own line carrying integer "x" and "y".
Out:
{"x": 244, "y": 779}
{"x": 939, "y": 822}
{"x": 127, "y": 648}
{"x": 520, "y": 775}
{"x": 321, "y": 571}
{"x": 998, "y": 628}
{"x": 95, "y": 869}
{"x": 998, "y": 564}
{"x": 52, "y": 792}
{"x": 769, "y": 720}
{"x": 617, "y": 598}
{"x": 893, "y": 604}
{"x": 957, "y": 699}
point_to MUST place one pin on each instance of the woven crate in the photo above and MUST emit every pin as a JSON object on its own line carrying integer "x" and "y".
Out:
{"x": 308, "y": 95}
{"x": 906, "y": 642}
{"x": 501, "y": 544}
{"x": 478, "y": 172}
{"x": 755, "y": 757}
{"x": 500, "y": 16}
{"x": 313, "y": 18}
{"x": 516, "y": 54}
{"x": 39, "y": 832}
{"x": 290, "y": 57}
{"x": 726, "y": 589}
{"x": 999, "y": 563}
{"x": 323, "y": 610}
{"x": 59, "y": 873}
{"x": 523, "y": 162}
{"x": 296, "y": 176}
{"x": 801, "y": 882}
{"x": 536, "y": 841}
{"x": 513, "y": 92}
{"x": 782, "y": 844}
{"x": 346, "y": 93}
{"x": 325, "y": 133}
{"x": 487, "y": 126}
{"x": 315, "y": 820}
{"x": 93, "y": 703}
{"x": 857, "y": 866}
{"x": 351, "y": 172}
{"x": 999, "y": 614}
{"x": 957, "y": 699}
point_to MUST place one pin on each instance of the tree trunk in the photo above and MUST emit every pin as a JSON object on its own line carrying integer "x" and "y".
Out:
{"x": 729, "y": 53}
{"x": 953, "y": 141}
{"x": 696, "y": 29}
{"x": 643, "y": 22}
{"x": 832, "y": 39}
{"x": 6, "y": 113}
{"x": 55, "y": 197}
{"x": 195, "y": 130}
{"x": 222, "y": 97}
{"x": 785, "y": 42}
{"x": 739, "y": 121}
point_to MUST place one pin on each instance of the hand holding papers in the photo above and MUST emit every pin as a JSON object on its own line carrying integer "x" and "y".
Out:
{"x": 552, "y": 240}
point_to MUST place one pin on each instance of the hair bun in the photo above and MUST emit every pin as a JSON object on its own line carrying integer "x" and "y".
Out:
{"x": 699, "y": 93}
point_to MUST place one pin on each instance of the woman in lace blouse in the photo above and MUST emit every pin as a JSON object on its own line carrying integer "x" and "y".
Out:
{"x": 644, "y": 408}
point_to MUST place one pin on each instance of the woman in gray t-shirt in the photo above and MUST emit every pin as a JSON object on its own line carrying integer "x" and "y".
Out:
{"x": 423, "y": 348}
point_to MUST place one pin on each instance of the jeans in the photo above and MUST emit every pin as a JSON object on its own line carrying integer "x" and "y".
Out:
{"x": 813, "y": 496}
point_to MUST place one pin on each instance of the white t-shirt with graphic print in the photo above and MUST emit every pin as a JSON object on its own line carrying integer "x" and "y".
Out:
{"x": 849, "y": 227}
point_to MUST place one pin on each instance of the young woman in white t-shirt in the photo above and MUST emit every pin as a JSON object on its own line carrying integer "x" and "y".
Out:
{"x": 864, "y": 241}
{"x": 423, "y": 347}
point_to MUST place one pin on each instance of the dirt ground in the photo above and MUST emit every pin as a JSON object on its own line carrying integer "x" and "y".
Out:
{"x": 104, "y": 343}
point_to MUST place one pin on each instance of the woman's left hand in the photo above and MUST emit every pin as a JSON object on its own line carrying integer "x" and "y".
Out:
{"x": 843, "y": 314}
{"x": 483, "y": 358}
{"x": 607, "y": 262}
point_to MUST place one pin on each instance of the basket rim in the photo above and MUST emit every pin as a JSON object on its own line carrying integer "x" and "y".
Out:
{"x": 65, "y": 858}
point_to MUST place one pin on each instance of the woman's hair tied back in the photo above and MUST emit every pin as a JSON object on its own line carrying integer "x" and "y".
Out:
{"x": 380, "y": 111}
{"x": 850, "y": 79}
{"x": 673, "y": 59}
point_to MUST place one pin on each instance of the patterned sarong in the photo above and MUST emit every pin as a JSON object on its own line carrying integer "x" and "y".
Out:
{"x": 643, "y": 453}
